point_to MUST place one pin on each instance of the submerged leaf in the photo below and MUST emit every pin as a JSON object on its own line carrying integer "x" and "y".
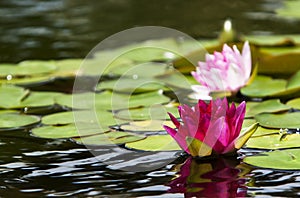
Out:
{"x": 109, "y": 138}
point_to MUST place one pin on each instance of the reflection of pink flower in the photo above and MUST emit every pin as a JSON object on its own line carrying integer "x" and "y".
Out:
{"x": 218, "y": 178}
{"x": 228, "y": 70}
{"x": 215, "y": 126}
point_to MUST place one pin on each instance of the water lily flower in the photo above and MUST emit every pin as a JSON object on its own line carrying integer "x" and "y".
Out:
{"x": 210, "y": 129}
{"x": 228, "y": 70}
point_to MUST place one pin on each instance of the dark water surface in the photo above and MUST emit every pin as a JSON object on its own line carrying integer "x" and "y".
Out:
{"x": 36, "y": 29}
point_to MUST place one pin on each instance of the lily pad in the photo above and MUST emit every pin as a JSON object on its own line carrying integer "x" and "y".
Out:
{"x": 109, "y": 138}
{"x": 146, "y": 125}
{"x": 11, "y": 96}
{"x": 268, "y": 106}
{"x": 13, "y": 121}
{"x": 263, "y": 86}
{"x": 290, "y": 9}
{"x": 61, "y": 118}
{"x": 155, "y": 143}
{"x": 285, "y": 120}
{"x": 276, "y": 141}
{"x": 65, "y": 131}
{"x": 39, "y": 99}
{"x": 295, "y": 103}
{"x": 288, "y": 159}
{"x": 131, "y": 85}
{"x": 261, "y": 131}
{"x": 156, "y": 112}
{"x": 27, "y": 68}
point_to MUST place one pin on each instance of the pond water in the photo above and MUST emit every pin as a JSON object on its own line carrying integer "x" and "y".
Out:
{"x": 34, "y": 167}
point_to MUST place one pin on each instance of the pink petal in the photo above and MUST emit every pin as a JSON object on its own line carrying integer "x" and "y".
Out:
{"x": 174, "y": 120}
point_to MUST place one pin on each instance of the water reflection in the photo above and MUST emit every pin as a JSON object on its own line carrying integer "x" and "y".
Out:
{"x": 42, "y": 29}
{"x": 214, "y": 178}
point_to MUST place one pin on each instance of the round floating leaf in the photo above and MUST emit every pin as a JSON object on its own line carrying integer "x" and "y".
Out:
{"x": 295, "y": 103}
{"x": 65, "y": 131}
{"x": 288, "y": 159}
{"x": 131, "y": 85}
{"x": 290, "y": 9}
{"x": 155, "y": 143}
{"x": 34, "y": 67}
{"x": 261, "y": 131}
{"x": 263, "y": 86}
{"x": 27, "y": 68}
{"x": 268, "y": 106}
{"x": 59, "y": 118}
{"x": 147, "y": 125}
{"x": 276, "y": 141}
{"x": 138, "y": 70}
{"x": 12, "y": 121}
{"x": 38, "y": 99}
{"x": 157, "y": 112}
{"x": 286, "y": 120}
{"x": 28, "y": 81}
{"x": 11, "y": 96}
{"x": 272, "y": 40}
{"x": 177, "y": 80}
{"x": 109, "y": 138}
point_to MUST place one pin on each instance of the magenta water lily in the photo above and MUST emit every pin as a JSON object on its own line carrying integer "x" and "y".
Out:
{"x": 228, "y": 70}
{"x": 210, "y": 129}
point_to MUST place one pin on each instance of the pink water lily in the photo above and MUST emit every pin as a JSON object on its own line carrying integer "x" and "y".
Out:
{"x": 228, "y": 70}
{"x": 213, "y": 128}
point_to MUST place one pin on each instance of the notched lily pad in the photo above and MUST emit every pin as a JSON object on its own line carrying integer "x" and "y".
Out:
{"x": 109, "y": 138}
{"x": 288, "y": 159}
{"x": 155, "y": 143}
{"x": 146, "y": 125}
{"x": 275, "y": 141}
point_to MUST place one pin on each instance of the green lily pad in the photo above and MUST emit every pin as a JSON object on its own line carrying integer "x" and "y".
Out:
{"x": 288, "y": 159}
{"x": 155, "y": 143}
{"x": 39, "y": 99}
{"x": 268, "y": 106}
{"x": 261, "y": 131}
{"x": 11, "y": 96}
{"x": 290, "y": 9}
{"x": 157, "y": 112}
{"x": 110, "y": 101}
{"x": 12, "y": 121}
{"x": 109, "y": 138}
{"x": 61, "y": 118}
{"x": 65, "y": 131}
{"x": 146, "y": 125}
{"x": 27, "y": 68}
{"x": 131, "y": 85}
{"x": 28, "y": 81}
{"x": 272, "y": 40}
{"x": 276, "y": 141}
{"x": 177, "y": 80}
{"x": 138, "y": 70}
{"x": 286, "y": 120}
{"x": 264, "y": 86}
{"x": 295, "y": 103}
